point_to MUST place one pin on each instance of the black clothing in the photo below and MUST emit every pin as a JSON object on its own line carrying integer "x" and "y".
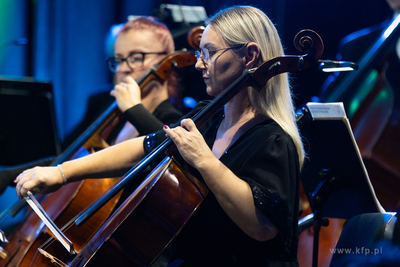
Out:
{"x": 147, "y": 123}
{"x": 267, "y": 159}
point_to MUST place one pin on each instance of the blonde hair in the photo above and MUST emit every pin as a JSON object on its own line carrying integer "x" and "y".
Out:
{"x": 241, "y": 25}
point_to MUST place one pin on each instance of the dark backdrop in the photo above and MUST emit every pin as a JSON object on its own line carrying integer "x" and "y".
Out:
{"x": 66, "y": 40}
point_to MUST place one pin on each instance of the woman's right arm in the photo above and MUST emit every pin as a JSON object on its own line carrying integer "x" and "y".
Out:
{"x": 110, "y": 162}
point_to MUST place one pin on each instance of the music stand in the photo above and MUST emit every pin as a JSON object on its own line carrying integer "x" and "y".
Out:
{"x": 27, "y": 123}
{"x": 333, "y": 176}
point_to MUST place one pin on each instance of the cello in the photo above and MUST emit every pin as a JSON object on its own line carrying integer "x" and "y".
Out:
{"x": 371, "y": 97}
{"x": 62, "y": 205}
{"x": 125, "y": 239}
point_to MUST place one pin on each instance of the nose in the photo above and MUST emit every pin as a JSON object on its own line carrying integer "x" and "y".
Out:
{"x": 200, "y": 65}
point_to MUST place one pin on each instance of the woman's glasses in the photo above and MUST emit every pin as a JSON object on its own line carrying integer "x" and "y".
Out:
{"x": 134, "y": 60}
{"x": 208, "y": 54}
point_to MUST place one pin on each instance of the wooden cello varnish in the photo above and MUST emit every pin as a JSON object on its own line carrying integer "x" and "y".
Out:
{"x": 148, "y": 220}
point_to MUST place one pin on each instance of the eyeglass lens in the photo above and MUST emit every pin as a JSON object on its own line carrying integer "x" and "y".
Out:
{"x": 208, "y": 54}
{"x": 134, "y": 61}
{"x": 203, "y": 52}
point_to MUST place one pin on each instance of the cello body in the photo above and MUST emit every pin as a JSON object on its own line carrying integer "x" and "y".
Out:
{"x": 148, "y": 220}
{"x": 32, "y": 233}
{"x": 376, "y": 127}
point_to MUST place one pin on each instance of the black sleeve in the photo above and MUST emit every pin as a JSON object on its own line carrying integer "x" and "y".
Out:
{"x": 143, "y": 120}
{"x": 146, "y": 123}
{"x": 155, "y": 139}
{"x": 272, "y": 173}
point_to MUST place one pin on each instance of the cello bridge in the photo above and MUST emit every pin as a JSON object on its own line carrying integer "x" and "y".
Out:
{"x": 53, "y": 260}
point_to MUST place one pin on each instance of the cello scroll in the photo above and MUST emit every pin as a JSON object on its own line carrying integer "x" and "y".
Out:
{"x": 305, "y": 41}
{"x": 194, "y": 37}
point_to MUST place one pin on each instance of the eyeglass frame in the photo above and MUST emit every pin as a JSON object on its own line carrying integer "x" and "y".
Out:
{"x": 200, "y": 53}
{"x": 109, "y": 59}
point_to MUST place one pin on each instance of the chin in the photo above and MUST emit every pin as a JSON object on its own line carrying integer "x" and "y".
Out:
{"x": 213, "y": 92}
{"x": 210, "y": 92}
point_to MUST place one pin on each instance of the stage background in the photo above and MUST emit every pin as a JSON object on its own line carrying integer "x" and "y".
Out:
{"x": 66, "y": 40}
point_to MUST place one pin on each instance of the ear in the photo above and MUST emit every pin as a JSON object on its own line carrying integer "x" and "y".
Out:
{"x": 252, "y": 55}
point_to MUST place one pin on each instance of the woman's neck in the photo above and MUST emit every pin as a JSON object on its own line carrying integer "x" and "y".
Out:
{"x": 240, "y": 116}
{"x": 238, "y": 110}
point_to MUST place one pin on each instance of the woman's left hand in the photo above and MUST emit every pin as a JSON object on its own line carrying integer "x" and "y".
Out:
{"x": 190, "y": 143}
